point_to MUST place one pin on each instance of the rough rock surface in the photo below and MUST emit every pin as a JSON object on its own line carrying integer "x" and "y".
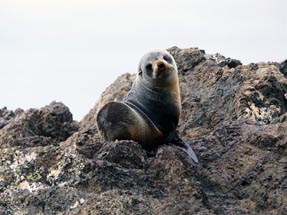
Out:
{"x": 234, "y": 116}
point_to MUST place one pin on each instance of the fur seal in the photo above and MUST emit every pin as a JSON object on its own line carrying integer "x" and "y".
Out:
{"x": 150, "y": 113}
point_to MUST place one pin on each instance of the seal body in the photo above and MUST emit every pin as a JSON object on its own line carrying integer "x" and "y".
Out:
{"x": 119, "y": 121}
{"x": 150, "y": 113}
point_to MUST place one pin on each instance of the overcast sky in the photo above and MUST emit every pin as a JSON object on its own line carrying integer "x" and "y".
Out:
{"x": 71, "y": 50}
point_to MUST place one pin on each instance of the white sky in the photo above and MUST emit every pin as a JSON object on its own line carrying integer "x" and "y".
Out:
{"x": 71, "y": 50}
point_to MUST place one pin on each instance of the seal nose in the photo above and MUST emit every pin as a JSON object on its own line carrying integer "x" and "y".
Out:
{"x": 161, "y": 69}
{"x": 161, "y": 65}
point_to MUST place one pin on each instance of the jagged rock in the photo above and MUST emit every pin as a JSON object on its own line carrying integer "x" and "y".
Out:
{"x": 7, "y": 115}
{"x": 234, "y": 116}
{"x": 283, "y": 68}
{"x": 231, "y": 63}
{"x": 50, "y": 124}
{"x": 187, "y": 58}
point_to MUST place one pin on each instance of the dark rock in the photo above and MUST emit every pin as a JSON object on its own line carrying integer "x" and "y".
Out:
{"x": 6, "y": 116}
{"x": 50, "y": 124}
{"x": 283, "y": 68}
{"x": 231, "y": 63}
{"x": 234, "y": 116}
{"x": 187, "y": 58}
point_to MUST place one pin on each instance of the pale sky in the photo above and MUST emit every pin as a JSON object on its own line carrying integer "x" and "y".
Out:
{"x": 71, "y": 50}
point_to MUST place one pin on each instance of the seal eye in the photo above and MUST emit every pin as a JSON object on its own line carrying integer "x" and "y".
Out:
{"x": 167, "y": 58}
{"x": 149, "y": 67}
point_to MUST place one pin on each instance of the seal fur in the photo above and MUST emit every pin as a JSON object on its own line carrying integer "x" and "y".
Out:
{"x": 150, "y": 113}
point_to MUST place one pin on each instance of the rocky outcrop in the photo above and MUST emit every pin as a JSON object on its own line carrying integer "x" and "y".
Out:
{"x": 51, "y": 124}
{"x": 234, "y": 117}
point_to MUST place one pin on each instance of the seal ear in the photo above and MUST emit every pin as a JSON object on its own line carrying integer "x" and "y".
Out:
{"x": 140, "y": 72}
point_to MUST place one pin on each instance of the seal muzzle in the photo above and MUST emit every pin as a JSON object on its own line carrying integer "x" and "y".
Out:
{"x": 161, "y": 69}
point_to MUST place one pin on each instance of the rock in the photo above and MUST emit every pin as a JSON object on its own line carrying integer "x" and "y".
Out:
{"x": 53, "y": 123}
{"x": 234, "y": 116}
{"x": 231, "y": 63}
{"x": 187, "y": 58}
{"x": 7, "y": 115}
{"x": 283, "y": 68}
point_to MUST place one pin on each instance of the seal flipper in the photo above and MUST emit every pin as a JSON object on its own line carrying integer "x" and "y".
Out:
{"x": 113, "y": 121}
{"x": 177, "y": 141}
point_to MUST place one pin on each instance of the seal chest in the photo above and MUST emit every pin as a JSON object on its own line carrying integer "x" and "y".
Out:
{"x": 151, "y": 111}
